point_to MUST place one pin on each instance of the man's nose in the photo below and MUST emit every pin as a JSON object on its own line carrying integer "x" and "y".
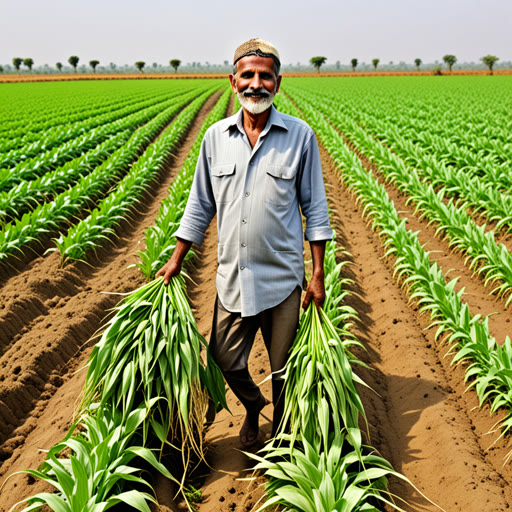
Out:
{"x": 255, "y": 81}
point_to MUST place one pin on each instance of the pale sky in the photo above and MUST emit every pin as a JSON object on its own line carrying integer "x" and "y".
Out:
{"x": 123, "y": 31}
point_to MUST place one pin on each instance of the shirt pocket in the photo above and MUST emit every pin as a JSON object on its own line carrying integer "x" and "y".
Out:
{"x": 280, "y": 184}
{"x": 223, "y": 182}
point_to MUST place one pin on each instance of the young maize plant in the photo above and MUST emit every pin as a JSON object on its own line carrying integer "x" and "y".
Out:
{"x": 48, "y": 217}
{"x": 101, "y": 223}
{"x": 92, "y": 478}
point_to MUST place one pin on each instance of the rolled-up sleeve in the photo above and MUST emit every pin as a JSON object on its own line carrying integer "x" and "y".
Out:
{"x": 312, "y": 197}
{"x": 200, "y": 208}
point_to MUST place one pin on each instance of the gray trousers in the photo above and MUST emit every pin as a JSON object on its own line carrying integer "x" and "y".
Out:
{"x": 232, "y": 339}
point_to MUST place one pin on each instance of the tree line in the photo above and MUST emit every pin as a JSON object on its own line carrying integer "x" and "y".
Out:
{"x": 317, "y": 62}
{"x": 449, "y": 60}
{"x": 74, "y": 60}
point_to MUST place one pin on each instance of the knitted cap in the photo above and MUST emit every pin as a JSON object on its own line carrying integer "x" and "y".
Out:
{"x": 253, "y": 45}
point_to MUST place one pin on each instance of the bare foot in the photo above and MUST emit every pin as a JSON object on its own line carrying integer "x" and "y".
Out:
{"x": 250, "y": 428}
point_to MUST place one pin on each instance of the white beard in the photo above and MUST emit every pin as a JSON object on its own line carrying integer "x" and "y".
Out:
{"x": 255, "y": 107}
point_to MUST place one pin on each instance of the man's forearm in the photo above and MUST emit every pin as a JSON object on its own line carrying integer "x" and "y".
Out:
{"x": 316, "y": 286}
{"x": 318, "y": 254}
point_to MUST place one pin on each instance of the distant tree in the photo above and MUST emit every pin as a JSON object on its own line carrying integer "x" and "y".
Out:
{"x": 59, "y": 66}
{"x": 17, "y": 62}
{"x": 317, "y": 62}
{"x": 450, "y": 60}
{"x": 29, "y": 63}
{"x": 418, "y": 63}
{"x": 175, "y": 63}
{"x": 353, "y": 63}
{"x": 73, "y": 61}
{"x": 140, "y": 65}
{"x": 93, "y": 64}
{"x": 489, "y": 61}
{"x": 112, "y": 66}
{"x": 1, "y": 69}
{"x": 338, "y": 64}
{"x": 375, "y": 63}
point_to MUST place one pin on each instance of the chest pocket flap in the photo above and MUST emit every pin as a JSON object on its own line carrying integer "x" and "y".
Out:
{"x": 220, "y": 170}
{"x": 283, "y": 172}
{"x": 280, "y": 185}
{"x": 223, "y": 182}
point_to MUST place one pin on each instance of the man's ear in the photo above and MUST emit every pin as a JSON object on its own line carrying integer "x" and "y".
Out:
{"x": 278, "y": 84}
{"x": 232, "y": 81}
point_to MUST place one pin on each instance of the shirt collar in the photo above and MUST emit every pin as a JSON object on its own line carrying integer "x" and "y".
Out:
{"x": 275, "y": 119}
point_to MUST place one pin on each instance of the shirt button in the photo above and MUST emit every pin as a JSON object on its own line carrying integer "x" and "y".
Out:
{"x": 244, "y": 245}
{"x": 247, "y": 194}
{"x": 244, "y": 221}
{"x": 241, "y": 268}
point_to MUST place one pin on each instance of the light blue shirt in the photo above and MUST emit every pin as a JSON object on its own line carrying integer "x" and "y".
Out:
{"x": 258, "y": 195}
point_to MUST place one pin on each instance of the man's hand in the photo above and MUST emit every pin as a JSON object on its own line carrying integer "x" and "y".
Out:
{"x": 315, "y": 291}
{"x": 173, "y": 267}
{"x": 316, "y": 287}
{"x": 170, "y": 269}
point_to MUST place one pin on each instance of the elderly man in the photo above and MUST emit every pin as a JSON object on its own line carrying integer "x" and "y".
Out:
{"x": 257, "y": 170}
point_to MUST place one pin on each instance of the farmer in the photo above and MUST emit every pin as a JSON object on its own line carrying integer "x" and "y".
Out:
{"x": 257, "y": 170}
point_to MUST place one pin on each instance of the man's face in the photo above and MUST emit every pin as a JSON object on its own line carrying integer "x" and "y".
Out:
{"x": 255, "y": 83}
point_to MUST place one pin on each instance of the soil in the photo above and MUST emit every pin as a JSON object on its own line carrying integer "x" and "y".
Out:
{"x": 420, "y": 417}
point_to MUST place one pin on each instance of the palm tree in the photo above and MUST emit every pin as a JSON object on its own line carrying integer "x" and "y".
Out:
{"x": 317, "y": 62}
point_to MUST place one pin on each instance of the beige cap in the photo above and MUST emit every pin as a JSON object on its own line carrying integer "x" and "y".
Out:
{"x": 253, "y": 45}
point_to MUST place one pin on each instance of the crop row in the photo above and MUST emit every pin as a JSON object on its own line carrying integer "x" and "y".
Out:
{"x": 46, "y": 154}
{"x": 66, "y": 125}
{"x": 48, "y": 217}
{"x": 28, "y": 109}
{"x": 480, "y": 247}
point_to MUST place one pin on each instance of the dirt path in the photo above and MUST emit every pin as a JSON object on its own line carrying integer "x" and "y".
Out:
{"x": 47, "y": 318}
{"x": 421, "y": 420}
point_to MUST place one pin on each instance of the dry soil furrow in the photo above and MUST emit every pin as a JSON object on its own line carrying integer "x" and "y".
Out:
{"x": 50, "y": 345}
{"x": 418, "y": 420}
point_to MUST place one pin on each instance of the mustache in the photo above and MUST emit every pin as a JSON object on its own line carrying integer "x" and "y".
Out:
{"x": 256, "y": 93}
